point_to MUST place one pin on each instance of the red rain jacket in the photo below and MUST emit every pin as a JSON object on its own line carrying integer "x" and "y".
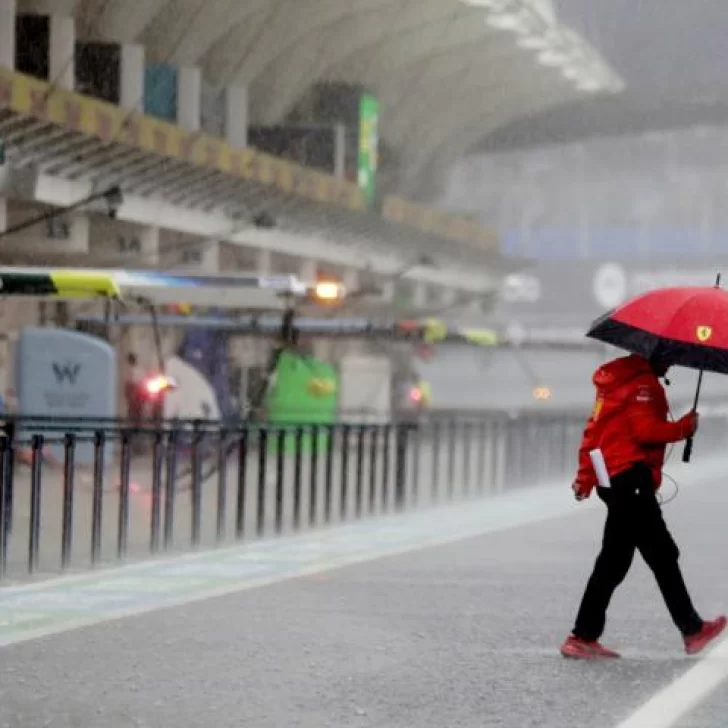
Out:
{"x": 629, "y": 422}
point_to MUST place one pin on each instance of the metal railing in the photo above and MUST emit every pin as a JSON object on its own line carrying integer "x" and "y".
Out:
{"x": 74, "y": 495}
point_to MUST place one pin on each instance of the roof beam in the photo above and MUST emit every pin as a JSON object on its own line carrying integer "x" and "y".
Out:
{"x": 113, "y": 20}
{"x": 278, "y": 29}
{"x": 323, "y": 51}
{"x": 494, "y": 67}
{"x": 439, "y": 154}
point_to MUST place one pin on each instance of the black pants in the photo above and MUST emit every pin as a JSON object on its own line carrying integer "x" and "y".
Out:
{"x": 634, "y": 521}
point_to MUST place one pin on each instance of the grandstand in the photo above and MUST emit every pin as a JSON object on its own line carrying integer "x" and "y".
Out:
{"x": 657, "y": 195}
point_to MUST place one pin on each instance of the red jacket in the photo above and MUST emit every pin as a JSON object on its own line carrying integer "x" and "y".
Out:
{"x": 629, "y": 422}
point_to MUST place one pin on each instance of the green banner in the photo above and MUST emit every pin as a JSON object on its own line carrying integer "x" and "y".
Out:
{"x": 368, "y": 145}
{"x": 306, "y": 391}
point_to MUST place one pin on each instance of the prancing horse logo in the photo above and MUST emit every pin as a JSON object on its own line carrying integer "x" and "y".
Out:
{"x": 704, "y": 333}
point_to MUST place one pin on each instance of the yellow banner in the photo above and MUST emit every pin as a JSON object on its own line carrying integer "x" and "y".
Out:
{"x": 107, "y": 122}
{"x": 441, "y": 224}
{"x": 436, "y": 331}
{"x": 481, "y": 337}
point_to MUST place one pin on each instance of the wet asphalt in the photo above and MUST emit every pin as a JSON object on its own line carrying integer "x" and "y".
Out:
{"x": 456, "y": 636}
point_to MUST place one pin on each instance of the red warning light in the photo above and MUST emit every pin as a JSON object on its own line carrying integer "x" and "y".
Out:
{"x": 416, "y": 394}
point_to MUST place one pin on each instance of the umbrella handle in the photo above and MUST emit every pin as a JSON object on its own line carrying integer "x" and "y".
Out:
{"x": 688, "y": 451}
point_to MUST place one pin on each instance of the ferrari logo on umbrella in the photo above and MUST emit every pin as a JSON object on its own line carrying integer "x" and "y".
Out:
{"x": 704, "y": 333}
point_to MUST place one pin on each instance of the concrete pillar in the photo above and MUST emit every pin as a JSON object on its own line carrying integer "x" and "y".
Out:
{"x": 189, "y": 90}
{"x": 8, "y": 9}
{"x": 131, "y": 95}
{"x": 4, "y": 185}
{"x": 211, "y": 257}
{"x": 62, "y": 51}
{"x": 308, "y": 270}
{"x": 419, "y": 294}
{"x": 149, "y": 239}
{"x": 6, "y": 351}
{"x": 448, "y": 296}
{"x": 340, "y": 151}
{"x": 263, "y": 263}
{"x": 79, "y": 238}
{"x": 236, "y": 116}
{"x": 4, "y": 188}
{"x": 388, "y": 287}
{"x": 350, "y": 279}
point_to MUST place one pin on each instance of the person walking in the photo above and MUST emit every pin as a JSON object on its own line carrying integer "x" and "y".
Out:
{"x": 631, "y": 427}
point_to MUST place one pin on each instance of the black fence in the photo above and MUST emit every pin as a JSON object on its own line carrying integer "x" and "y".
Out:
{"x": 80, "y": 494}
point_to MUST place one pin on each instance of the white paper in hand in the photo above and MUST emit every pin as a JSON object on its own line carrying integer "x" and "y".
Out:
{"x": 600, "y": 468}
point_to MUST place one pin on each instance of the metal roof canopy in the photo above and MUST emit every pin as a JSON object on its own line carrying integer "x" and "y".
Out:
{"x": 398, "y": 48}
{"x": 80, "y": 158}
{"x": 56, "y": 151}
{"x": 243, "y": 291}
{"x": 59, "y": 151}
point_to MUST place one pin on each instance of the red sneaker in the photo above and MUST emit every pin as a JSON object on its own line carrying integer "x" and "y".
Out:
{"x": 697, "y": 642}
{"x": 578, "y": 649}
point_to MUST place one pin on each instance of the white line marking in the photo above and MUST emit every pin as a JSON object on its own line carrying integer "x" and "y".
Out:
{"x": 679, "y": 698}
{"x": 685, "y": 693}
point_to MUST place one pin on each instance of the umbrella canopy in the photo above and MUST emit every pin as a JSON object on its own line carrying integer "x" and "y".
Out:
{"x": 687, "y": 326}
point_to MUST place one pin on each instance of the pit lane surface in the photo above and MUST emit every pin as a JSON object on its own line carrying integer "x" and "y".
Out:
{"x": 462, "y": 634}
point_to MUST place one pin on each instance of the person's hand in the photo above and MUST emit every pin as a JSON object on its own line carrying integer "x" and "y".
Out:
{"x": 689, "y": 424}
{"x": 580, "y": 491}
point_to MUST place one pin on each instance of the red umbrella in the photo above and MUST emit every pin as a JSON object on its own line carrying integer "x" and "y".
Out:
{"x": 686, "y": 326}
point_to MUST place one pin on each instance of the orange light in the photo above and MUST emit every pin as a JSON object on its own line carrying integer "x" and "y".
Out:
{"x": 542, "y": 393}
{"x": 159, "y": 383}
{"x": 329, "y": 291}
